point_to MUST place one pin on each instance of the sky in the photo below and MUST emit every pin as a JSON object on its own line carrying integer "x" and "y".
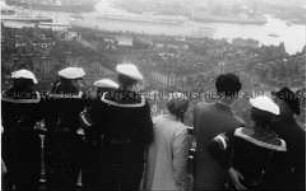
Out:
{"x": 276, "y": 2}
{"x": 285, "y": 3}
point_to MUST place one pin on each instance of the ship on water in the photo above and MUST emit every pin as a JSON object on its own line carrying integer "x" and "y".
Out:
{"x": 203, "y": 32}
{"x": 20, "y": 17}
{"x": 55, "y": 5}
{"x": 26, "y": 19}
{"x": 145, "y": 18}
{"x": 240, "y": 19}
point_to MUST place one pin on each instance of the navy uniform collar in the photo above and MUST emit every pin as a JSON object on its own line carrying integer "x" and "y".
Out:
{"x": 106, "y": 100}
{"x": 29, "y": 100}
{"x": 246, "y": 134}
{"x": 68, "y": 95}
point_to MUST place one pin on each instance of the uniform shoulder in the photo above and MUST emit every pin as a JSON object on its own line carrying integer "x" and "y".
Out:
{"x": 124, "y": 99}
{"x": 21, "y": 97}
{"x": 78, "y": 95}
{"x": 250, "y": 136}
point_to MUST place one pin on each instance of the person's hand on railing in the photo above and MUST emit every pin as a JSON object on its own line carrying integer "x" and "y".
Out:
{"x": 236, "y": 177}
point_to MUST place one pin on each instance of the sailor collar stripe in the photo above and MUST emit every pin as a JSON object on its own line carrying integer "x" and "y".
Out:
{"x": 73, "y": 96}
{"x": 239, "y": 133}
{"x": 29, "y": 101}
{"x": 84, "y": 119}
{"x": 222, "y": 139}
{"x": 133, "y": 105}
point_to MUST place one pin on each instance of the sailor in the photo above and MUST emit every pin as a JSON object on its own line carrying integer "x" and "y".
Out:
{"x": 63, "y": 107}
{"x": 102, "y": 86}
{"x": 294, "y": 135}
{"x": 123, "y": 121}
{"x": 21, "y": 110}
{"x": 90, "y": 172}
{"x": 253, "y": 155}
{"x": 105, "y": 85}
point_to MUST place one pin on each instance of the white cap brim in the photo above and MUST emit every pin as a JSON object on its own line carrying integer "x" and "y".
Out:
{"x": 129, "y": 70}
{"x": 72, "y": 73}
{"x": 265, "y": 103}
{"x": 106, "y": 83}
{"x": 24, "y": 74}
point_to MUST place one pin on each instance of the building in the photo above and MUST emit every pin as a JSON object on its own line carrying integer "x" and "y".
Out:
{"x": 164, "y": 80}
{"x": 17, "y": 24}
{"x": 124, "y": 41}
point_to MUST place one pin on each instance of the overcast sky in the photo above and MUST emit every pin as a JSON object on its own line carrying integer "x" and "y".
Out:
{"x": 279, "y": 2}
{"x": 225, "y": 2}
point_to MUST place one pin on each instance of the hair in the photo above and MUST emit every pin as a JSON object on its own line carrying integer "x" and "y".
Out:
{"x": 178, "y": 108}
{"x": 126, "y": 81}
{"x": 289, "y": 98}
{"x": 228, "y": 84}
{"x": 64, "y": 86}
{"x": 23, "y": 84}
{"x": 22, "y": 88}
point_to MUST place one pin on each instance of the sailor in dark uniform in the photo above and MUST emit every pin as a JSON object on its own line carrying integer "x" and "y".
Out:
{"x": 20, "y": 141}
{"x": 123, "y": 122}
{"x": 63, "y": 106}
{"x": 294, "y": 135}
{"x": 249, "y": 154}
{"x": 102, "y": 86}
{"x": 90, "y": 172}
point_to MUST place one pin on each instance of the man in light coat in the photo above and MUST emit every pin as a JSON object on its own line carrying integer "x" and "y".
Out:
{"x": 211, "y": 119}
{"x": 167, "y": 160}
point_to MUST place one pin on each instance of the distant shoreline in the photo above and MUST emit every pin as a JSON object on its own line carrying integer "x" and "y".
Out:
{"x": 231, "y": 21}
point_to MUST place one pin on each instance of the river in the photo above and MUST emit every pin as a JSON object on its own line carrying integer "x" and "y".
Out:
{"x": 273, "y": 32}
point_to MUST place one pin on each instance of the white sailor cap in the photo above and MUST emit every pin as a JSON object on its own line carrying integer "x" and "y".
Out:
{"x": 129, "y": 70}
{"x": 72, "y": 73}
{"x": 24, "y": 74}
{"x": 265, "y": 103}
{"x": 106, "y": 83}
